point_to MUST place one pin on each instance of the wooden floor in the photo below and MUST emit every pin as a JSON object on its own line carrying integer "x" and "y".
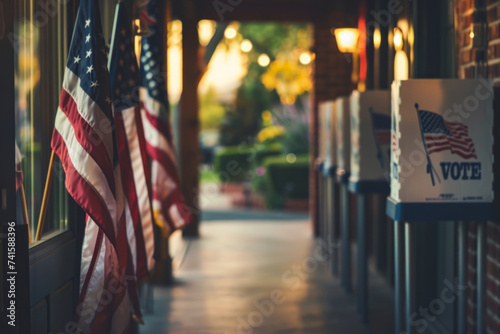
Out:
{"x": 254, "y": 272}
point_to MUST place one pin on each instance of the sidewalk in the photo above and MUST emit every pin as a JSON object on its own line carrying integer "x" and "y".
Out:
{"x": 259, "y": 272}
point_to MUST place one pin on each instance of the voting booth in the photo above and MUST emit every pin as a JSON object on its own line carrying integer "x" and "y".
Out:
{"x": 330, "y": 119}
{"x": 441, "y": 170}
{"x": 321, "y": 136}
{"x": 343, "y": 136}
{"x": 370, "y": 120}
{"x": 442, "y": 150}
{"x": 370, "y": 141}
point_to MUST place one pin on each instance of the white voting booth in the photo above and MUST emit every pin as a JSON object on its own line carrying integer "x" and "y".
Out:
{"x": 441, "y": 170}
{"x": 343, "y": 136}
{"x": 441, "y": 156}
{"x": 330, "y": 119}
{"x": 321, "y": 135}
{"x": 370, "y": 141}
{"x": 370, "y": 127}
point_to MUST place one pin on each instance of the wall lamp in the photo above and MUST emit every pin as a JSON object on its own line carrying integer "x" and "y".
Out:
{"x": 347, "y": 39}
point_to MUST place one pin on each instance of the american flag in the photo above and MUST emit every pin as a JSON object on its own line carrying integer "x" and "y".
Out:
{"x": 382, "y": 131}
{"x": 394, "y": 137}
{"x": 441, "y": 135}
{"x": 124, "y": 75}
{"x": 19, "y": 169}
{"x": 84, "y": 141}
{"x": 382, "y": 128}
{"x": 169, "y": 208}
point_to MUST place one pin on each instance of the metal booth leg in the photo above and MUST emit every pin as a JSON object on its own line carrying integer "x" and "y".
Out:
{"x": 345, "y": 235}
{"x": 362, "y": 263}
{"x": 399, "y": 275}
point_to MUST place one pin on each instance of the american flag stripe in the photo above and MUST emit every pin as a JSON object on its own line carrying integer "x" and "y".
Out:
{"x": 140, "y": 231}
{"x": 88, "y": 137}
{"x": 154, "y": 128}
{"x": 131, "y": 151}
{"x": 84, "y": 179}
{"x": 441, "y": 135}
{"x": 89, "y": 110}
{"x": 155, "y": 120}
{"x": 83, "y": 139}
{"x": 19, "y": 169}
{"x": 167, "y": 199}
{"x": 143, "y": 183}
{"x": 384, "y": 137}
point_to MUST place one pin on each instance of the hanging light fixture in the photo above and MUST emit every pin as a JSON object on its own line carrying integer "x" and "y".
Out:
{"x": 347, "y": 39}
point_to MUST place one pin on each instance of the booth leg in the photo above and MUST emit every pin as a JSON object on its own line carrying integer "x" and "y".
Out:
{"x": 362, "y": 263}
{"x": 321, "y": 204}
{"x": 462, "y": 277}
{"x": 346, "y": 242}
{"x": 409, "y": 274}
{"x": 481, "y": 278}
{"x": 334, "y": 226}
{"x": 399, "y": 315}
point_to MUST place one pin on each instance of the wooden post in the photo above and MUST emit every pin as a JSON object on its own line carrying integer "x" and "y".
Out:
{"x": 189, "y": 124}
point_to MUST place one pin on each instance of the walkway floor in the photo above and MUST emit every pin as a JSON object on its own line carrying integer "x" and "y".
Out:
{"x": 258, "y": 272}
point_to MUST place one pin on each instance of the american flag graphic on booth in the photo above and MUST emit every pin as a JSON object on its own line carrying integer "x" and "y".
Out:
{"x": 382, "y": 128}
{"x": 169, "y": 208}
{"x": 84, "y": 141}
{"x": 441, "y": 135}
{"x": 382, "y": 132}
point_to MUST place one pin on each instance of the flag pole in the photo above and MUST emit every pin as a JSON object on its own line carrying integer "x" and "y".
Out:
{"x": 46, "y": 195}
{"x": 430, "y": 167}
{"x": 379, "y": 151}
{"x": 24, "y": 209}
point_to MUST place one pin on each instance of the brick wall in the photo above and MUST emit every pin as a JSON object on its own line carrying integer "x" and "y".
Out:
{"x": 465, "y": 10}
{"x": 331, "y": 78}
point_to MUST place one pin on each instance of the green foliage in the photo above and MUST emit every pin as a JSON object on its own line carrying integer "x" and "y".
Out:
{"x": 282, "y": 180}
{"x": 238, "y": 163}
{"x": 233, "y": 163}
{"x": 290, "y": 180}
{"x": 295, "y": 139}
{"x": 242, "y": 120}
{"x": 209, "y": 176}
{"x": 265, "y": 151}
{"x": 212, "y": 113}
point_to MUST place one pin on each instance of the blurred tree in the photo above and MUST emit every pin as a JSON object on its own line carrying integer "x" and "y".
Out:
{"x": 278, "y": 41}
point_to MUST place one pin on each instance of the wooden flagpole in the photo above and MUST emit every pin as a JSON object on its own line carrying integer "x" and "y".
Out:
{"x": 24, "y": 209}
{"x": 46, "y": 195}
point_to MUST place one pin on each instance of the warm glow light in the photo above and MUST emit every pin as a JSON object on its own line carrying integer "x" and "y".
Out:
{"x": 263, "y": 60}
{"x": 230, "y": 33}
{"x": 347, "y": 39}
{"x": 377, "y": 38}
{"x": 291, "y": 158}
{"x": 398, "y": 39}
{"x": 401, "y": 66}
{"x": 246, "y": 45}
{"x": 206, "y": 30}
{"x": 305, "y": 58}
{"x": 471, "y": 35}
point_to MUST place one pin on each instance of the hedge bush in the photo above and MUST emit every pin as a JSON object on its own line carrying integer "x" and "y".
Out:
{"x": 237, "y": 163}
{"x": 233, "y": 163}
{"x": 285, "y": 179}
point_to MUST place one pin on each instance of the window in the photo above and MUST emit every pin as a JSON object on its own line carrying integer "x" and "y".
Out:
{"x": 41, "y": 40}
